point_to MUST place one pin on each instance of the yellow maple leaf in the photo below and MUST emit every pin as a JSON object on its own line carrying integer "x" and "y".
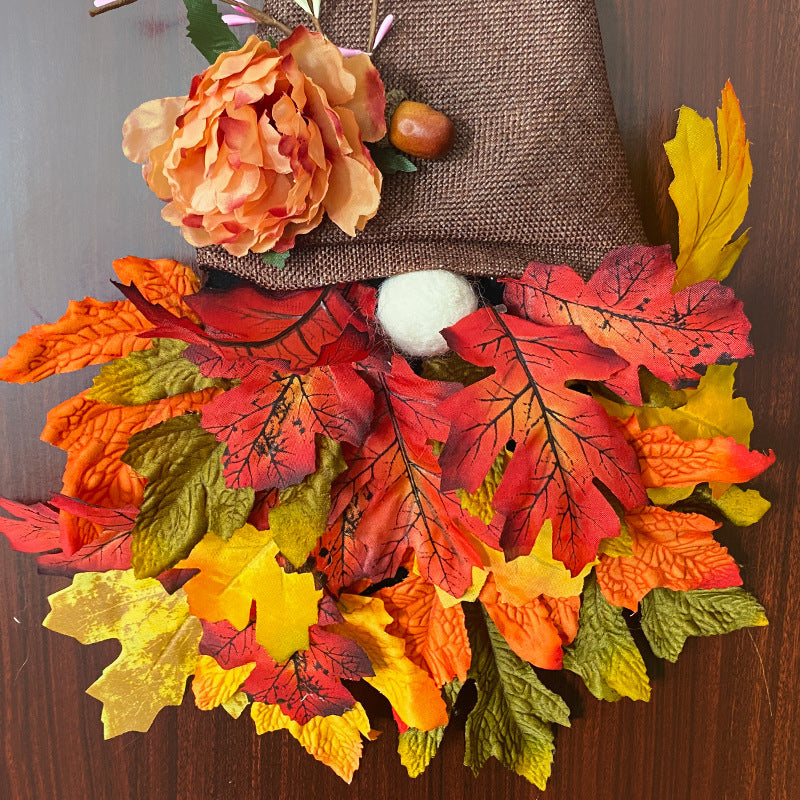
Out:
{"x": 710, "y": 190}
{"x": 411, "y": 691}
{"x": 333, "y": 740}
{"x": 235, "y": 573}
{"x": 159, "y": 639}
{"x": 215, "y": 686}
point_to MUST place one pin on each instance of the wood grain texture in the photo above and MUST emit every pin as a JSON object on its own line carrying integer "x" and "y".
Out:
{"x": 723, "y": 721}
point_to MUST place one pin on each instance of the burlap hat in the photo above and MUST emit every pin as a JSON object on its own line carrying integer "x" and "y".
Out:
{"x": 537, "y": 171}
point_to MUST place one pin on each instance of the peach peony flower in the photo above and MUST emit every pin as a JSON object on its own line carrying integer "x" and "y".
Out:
{"x": 267, "y": 142}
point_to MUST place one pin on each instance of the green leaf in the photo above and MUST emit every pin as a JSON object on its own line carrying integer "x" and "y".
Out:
{"x": 185, "y": 496}
{"x": 301, "y": 515}
{"x": 604, "y": 653}
{"x": 669, "y": 618}
{"x": 510, "y": 719}
{"x": 206, "y": 30}
{"x": 454, "y": 369}
{"x": 150, "y": 375}
{"x": 390, "y": 161}
{"x": 742, "y": 507}
{"x": 417, "y": 748}
{"x": 277, "y": 260}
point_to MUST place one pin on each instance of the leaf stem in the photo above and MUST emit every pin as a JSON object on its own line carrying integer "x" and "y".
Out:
{"x": 255, "y": 14}
{"x": 110, "y": 7}
{"x": 373, "y": 25}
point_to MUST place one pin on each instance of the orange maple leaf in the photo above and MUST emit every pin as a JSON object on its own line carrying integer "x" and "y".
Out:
{"x": 564, "y": 613}
{"x": 436, "y": 637}
{"x": 95, "y": 332}
{"x": 529, "y": 629}
{"x": 667, "y": 460}
{"x": 95, "y": 435}
{"x": 670, "y": 549}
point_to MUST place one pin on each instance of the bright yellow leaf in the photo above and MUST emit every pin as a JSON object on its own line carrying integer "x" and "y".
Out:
{"x": 235, "y": 573}
{"x": 710, "y": 190}
{"x": 215, "y": 686}
{"x": 159, "y": 639}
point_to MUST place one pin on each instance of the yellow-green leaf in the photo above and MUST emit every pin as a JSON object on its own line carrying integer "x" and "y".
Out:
{"x": 710, "y": 190}
{"x": 742, "y": 507}
{"x": 185, "y": 497}
{"x": 604, "y": 653}
{"x": 301, "y": 515}
{"x": 159, "y": 639}
{"x": 235, "y": 573}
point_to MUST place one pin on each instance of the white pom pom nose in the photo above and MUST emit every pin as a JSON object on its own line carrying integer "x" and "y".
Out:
{"x": 414, "y": 307}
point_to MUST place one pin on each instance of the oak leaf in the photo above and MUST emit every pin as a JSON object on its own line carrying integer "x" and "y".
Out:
{"x": 710, "y": 190}
{"x": 159, "y": 639}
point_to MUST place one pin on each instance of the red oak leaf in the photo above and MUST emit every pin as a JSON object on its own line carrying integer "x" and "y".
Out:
{"x": 306, "y": 685}
{"x": 270, "y": 420}
{"x": 670, "y": 549}
{"x": 564, "y": 441}
{"x": 628, "y": 306}
{"x": 389, "y": 503}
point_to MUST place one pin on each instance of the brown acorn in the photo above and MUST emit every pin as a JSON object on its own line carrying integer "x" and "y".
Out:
{"x": 422, "y": 131}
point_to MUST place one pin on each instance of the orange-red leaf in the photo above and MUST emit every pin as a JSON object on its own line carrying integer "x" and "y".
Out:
{"x": 161, "y": 281}
{"x": 528, "y": 629}
{"x": 435, "y": 636}
{"x": 672, "y": 550}
{"x": 95, "y": 435}
{"x": 667, "y": 460}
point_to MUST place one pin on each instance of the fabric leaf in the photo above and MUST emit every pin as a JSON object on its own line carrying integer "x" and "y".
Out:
{"x": 150, "y": 375}
{"x": 159, "y": 639}
{"x": 208, "y": 31}
{"x": 214, "y": 686}
{"x": 670, "y": 549}
{"x": 627, "y": 306}
{"x": 185, "y": 496}
{"x": 510, "y": 719}
{"x": 565, "y": 442}
{"x": 604, "y": 653}
{"x": 333, "y": 740}
{"x": 411, "y": 691}
{"x": 670, "y": 618}
{"x": 236, "y": 573}
{"x": 739, "y": 506}
{"x": 710, "y": 190}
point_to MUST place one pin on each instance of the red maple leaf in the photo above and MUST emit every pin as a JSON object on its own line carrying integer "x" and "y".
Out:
{"x": 628, "y": 306}
{"x": 564, "y": 441}
{"x": 389, "y": 503}
{"x": 306, "y": 685}
{"x": 270, "y": 420}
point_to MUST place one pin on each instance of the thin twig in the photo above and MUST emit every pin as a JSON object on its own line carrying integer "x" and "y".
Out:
{"x": 110, "y": 7}
{"x": 763, "y": 672}
{"x": 258, "y": 16}
{"x": 373, "y": 25}
{"x": 315, "y": 22}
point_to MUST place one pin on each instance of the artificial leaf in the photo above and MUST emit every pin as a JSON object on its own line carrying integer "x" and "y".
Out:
{"x": 621, "y": 546}
{"x": 565, "y": 442}
{"x": 333, "y": 740}
{"x": 670, "y": 549}
{"x": 710, "y": 190}
{"x": 150, "y": 375}
{"x": 215, "y": 686}
{"x": 162, "y": 281}
{"x": 389, "y": 502}
{"x": 670, "y": 618}
{"x": 242, "y": 571}
{"x": 30, "y": 529}
{"x": 301, "y": 516}
{"x": 185, "y": 496}
{"x": 208, "y": 31}
{"x": 667, "y": 460}
{"x": 527, "y": 629}
{"x": 604, "y": 653}
{"x": 159, "y": 639}
{"x": 96, "y": 435}
{"x": 390, "y": 161}
{"x": 269, "y": 422}
{"x": 627, "y": 306}
{"x": 306, "y": 685}
{"x": 277, "y": 260}
{"x": 739, "y": 506}
{"x": 411, "y": 691}
{"x": 510, "y": 719}
{"x": 710, "y": 410}
{"x": 435, "y": 636}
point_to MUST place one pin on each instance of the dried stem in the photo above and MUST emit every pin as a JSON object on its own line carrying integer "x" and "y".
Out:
{"x": 317, "y": 26}
{"x": 258, "y": 16}
{"x": 110, "y": 7}
{"x": 373, "y": 25}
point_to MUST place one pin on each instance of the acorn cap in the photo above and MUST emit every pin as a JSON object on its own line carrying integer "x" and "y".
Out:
{"x": 536, "y": 172}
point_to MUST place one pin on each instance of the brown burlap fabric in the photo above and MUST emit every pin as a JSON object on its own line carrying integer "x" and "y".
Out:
{"x": 537, "y": 171}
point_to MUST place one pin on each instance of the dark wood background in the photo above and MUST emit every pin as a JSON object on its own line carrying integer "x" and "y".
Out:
{"x": 722, "y": 722}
